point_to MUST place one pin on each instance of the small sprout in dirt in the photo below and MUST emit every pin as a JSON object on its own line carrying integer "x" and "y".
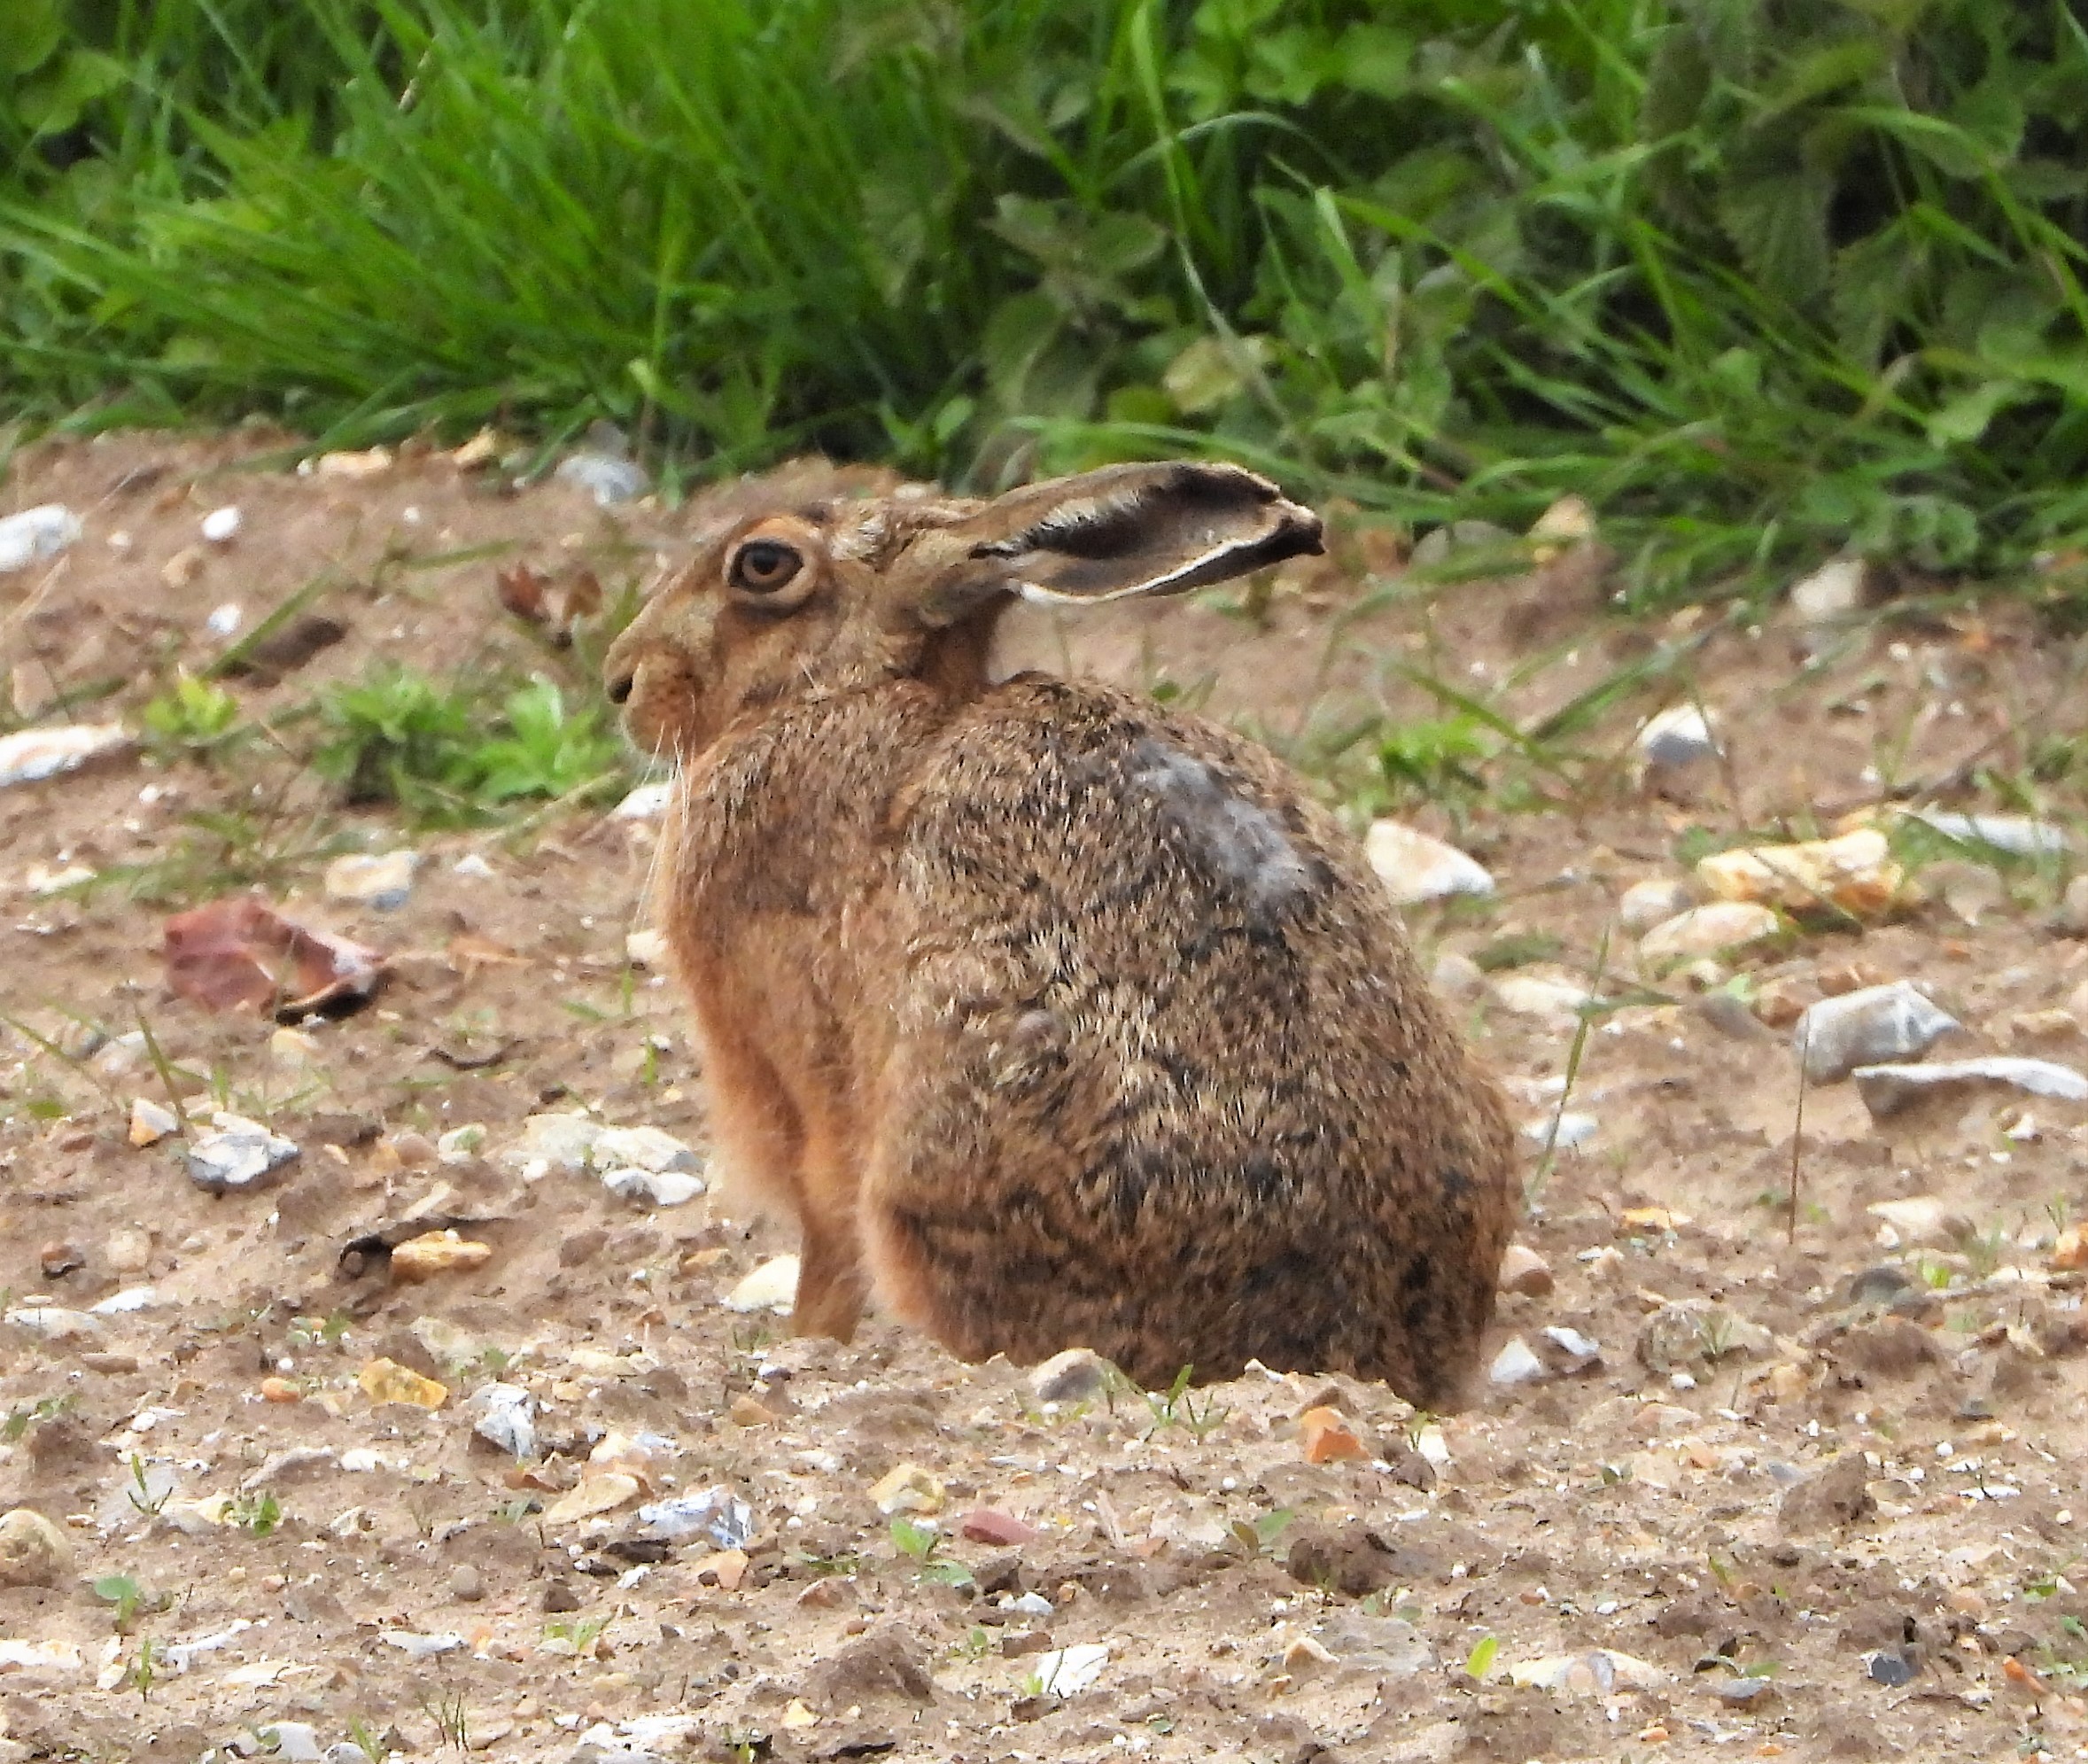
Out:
{"x": 1479, "y": 1662}
{"x": 453, "y": 1724}
{"x": 145, "y": 1670}
{"x": 581, "y": 1632}
{"x": 918, "y": 1544}
{"x": 141, "y": 1492}
{"x": 1175, "y": 1407}
{"x": 125, "y": 1594}
{"x": 1260, "y": 1536}
{"x": 512, "y": 1512}
{"x": 310, "y": 1331}
{"x": 1613, "y": 1474}
{"x": 1983, "y": 1250}
{"x": 977, "y": 1643}
{"x": 368, "y": 1744}
{"x": 19, "y": 1420}
{"x": 257, "y": 1514}
{"x": 1715, "y": 1329}
{"x": 193, "y": 719}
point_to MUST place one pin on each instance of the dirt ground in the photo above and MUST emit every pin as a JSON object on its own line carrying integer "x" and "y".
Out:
{"x": 1802, "y": 1491}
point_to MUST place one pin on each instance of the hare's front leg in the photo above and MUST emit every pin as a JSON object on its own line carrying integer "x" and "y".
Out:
{"x": 783, "y": 1153}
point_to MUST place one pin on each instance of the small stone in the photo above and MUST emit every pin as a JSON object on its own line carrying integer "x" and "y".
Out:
{"x": 908, "y": 1488}
{"x": 416, "y": 1151}
{"x": 1544, "y": 997}
{"x": 467, "y": 1584}
{"x": 1868, "y": 1028}
{"x": 1327, "y": 1437}
{"x": 717, "y": 1513}
{"x": 1855, "y": 874}
{"x": 607, "y": 478}
{"x": 60, "y": 1258}
{"x": 652, "y": 1188}
{"x": 772, "y": 1286}
{"x": 1437, "y": 545}
{"x": 1836, "y": 590}
{"x": 127, "y": 1252}
{"x": 2070, "y": 1249}
{"x": 369, "y": 462}
{"x": 1004, "y": 1531}
{"x": 1066, "y": 1672}
{"x": 28, "y": 755}
{"x": 2073, "y": 909}
{"x": 1920, "y": 1219}
{"x": 550, "y": 1142}
{"x": 291, "y": 1050}
{"x": 281, "y": 1390}
{"x": 1566, "y": 522}
{"x": 183, "y": 566}
{"x": 1516, "y": 1364}
{"x": 557, "y": 1597}
{"x": 221, "y": 526}
{"x": 1415, "y": 866}
{"x": 461, "y": 1145}
{"x": 34, "y": 1552}
{"x": 1677, "y": 738}
{"x": 1888, "y": 1666}
{"x": 1695, "y": 1331}
{"x": 36, "y": 534}
{"x": 1971, "y": 891}
{"x": 1653, "y": 901}
{"x": 504, "y": 1415}
{"x": 1602, "y": 1672}
{"x": 55, "y": 1323}
{"x": 594, "y": 1496}
{"x": 1890, "y": 1090}
{"x": 434, "y": 1253}
{"x": 1565, "y": 1132}
{"x": 749, "y": 1411}
{"x": 2019, "y": 835}
{"x": 295, "y": 1742}
{"x": 236, "y": 1155}
{"x": 1708, "y": 931}
{"x": 1457, "y": 977}
{"x": 386, "y": 1380}
{"x": 150, "y": 1123}
{"x": 644, "y": 1148}
{"x": 382, "y": 881}
{"x": 648, "y": 802}
{"x": 1072, "y": 1376}
{"x": 1836, "y": 1495}
{"x": 645, "y": 949}
{"x": 1524, "y": 1270}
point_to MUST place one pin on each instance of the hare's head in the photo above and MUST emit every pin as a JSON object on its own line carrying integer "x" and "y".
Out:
{"x": 804, "y": 602}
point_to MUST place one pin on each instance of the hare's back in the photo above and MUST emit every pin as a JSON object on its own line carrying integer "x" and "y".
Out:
{"x": 1158, "y": 1024}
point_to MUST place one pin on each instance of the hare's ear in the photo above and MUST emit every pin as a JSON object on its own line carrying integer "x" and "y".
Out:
{"x": 1122, "y": 530}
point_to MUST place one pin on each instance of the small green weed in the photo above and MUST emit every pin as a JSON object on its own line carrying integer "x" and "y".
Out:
{"x": 456, "y": 753}
{"x": 257, "y": 1514}
{"x": 919, "y": 1544}
{"x": 1177, "y": 1407}
{"x": 193, "y": 719}
{"x": 21, "y": 1419}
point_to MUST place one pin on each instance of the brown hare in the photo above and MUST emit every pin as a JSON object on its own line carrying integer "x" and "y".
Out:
{"x": 1055, "y": 1018}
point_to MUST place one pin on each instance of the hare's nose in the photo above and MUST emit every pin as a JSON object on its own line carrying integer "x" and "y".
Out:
{"x": 619, "y": 688}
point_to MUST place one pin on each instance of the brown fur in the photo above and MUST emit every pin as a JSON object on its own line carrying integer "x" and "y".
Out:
{"x": 1054, "y": 1018}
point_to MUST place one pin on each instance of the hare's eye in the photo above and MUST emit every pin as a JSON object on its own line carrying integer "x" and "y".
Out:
{"x": 763, "y": 565}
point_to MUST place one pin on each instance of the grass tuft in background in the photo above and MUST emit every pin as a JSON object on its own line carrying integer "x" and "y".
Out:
{"x": 1760, "y": 279}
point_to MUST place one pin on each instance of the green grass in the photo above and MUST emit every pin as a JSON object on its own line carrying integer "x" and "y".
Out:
{"x": 1760, "y": 279}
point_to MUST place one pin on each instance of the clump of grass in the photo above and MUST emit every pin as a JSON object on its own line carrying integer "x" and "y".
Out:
{"x": 1759, "y": 280}
{"x": 455, "y": 751}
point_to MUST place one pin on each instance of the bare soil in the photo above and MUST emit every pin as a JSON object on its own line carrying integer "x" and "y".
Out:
{"x": 1811, "y": 1518}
